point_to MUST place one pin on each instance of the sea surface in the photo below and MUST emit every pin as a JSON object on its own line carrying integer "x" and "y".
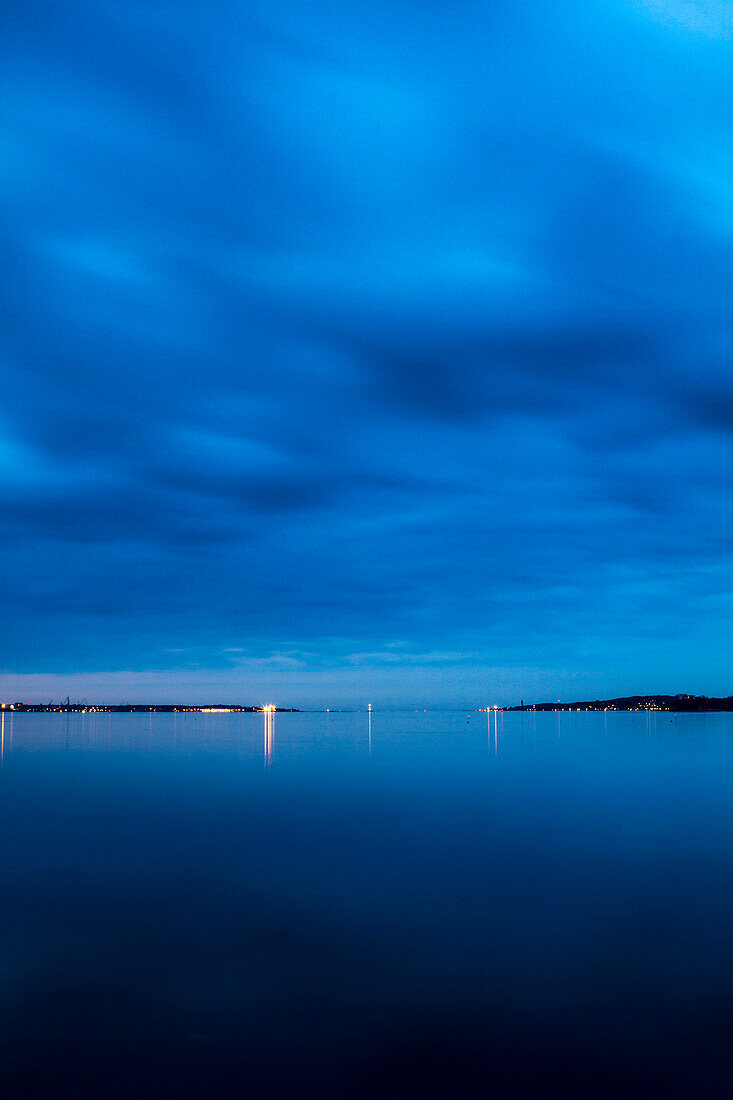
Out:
{"x": 418, "y": 903}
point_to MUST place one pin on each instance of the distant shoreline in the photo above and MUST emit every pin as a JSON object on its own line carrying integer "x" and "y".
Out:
{"x": 137, "y": 708}
{"x": 681, "y": 704}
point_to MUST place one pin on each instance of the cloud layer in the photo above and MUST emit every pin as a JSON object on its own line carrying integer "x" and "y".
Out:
{"x": 337, "y": 331}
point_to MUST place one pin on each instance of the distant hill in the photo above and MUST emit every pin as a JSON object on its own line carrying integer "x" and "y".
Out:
{"x": 679, "y": 703}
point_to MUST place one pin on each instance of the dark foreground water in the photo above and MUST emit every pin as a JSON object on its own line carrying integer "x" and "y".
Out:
{"x": 451, "y": 906}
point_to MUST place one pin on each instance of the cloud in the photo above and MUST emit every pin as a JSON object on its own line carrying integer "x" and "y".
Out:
{"x": 335, "y": 326}
{"x": 711, "y": 18}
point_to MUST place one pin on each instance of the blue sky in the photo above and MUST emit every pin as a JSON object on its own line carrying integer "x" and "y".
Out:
{"x": 365, "y": 352}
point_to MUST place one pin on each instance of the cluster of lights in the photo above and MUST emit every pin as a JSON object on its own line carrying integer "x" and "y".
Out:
{"x": 647, "y": 707}
{"x": 51, "y": 709}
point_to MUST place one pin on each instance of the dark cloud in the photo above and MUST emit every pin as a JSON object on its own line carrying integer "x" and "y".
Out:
{"x": 329, "y": 331}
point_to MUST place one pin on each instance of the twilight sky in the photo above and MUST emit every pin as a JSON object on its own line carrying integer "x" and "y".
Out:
{"x": 366, "y": 351}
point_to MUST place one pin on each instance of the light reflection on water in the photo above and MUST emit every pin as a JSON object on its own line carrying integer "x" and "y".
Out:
{"x": 269, "y": 718}
{"x": 393, "y": 901}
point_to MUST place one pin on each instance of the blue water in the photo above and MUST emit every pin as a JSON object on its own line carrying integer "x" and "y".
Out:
{"x": 461, "y": 904}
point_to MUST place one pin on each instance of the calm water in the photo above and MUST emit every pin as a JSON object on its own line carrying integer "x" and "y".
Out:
{"x": 450, "y": 903}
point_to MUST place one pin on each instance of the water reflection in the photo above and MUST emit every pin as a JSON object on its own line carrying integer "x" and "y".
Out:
{"x": 269, "y": 716}
{"x": 423, "y": 918}
{"x": 495, "y": 713}
{"x": 369, "y": 711}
